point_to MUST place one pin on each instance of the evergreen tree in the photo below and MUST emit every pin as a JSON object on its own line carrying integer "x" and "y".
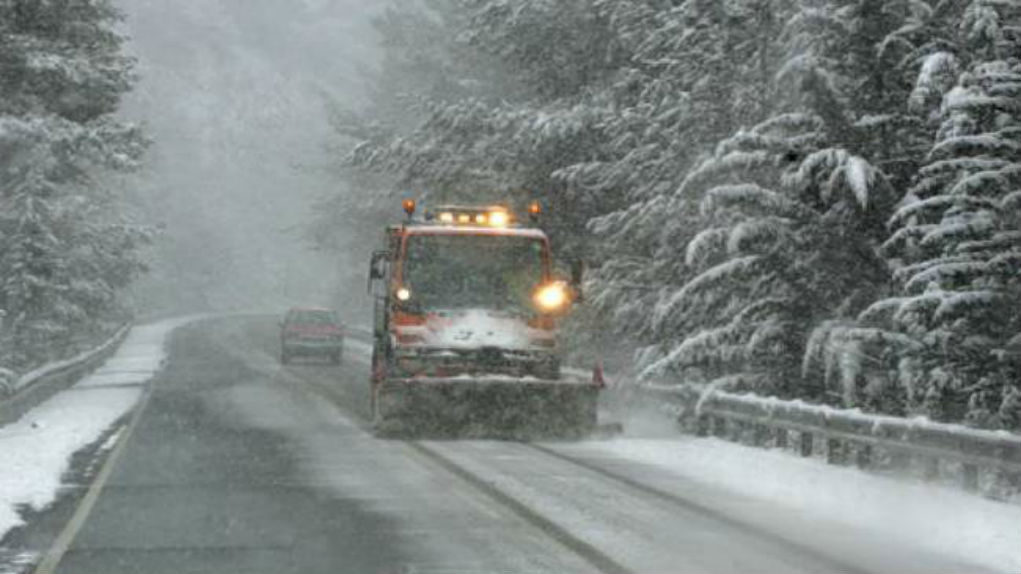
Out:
{"x": 957, "y": 243}
{"x": 954, "y": 241}
{"x": 785, "y": 245}
{"x": 64, "y": 251}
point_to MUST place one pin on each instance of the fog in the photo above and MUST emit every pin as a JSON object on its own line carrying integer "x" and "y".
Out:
{"x": 233, "y": 95}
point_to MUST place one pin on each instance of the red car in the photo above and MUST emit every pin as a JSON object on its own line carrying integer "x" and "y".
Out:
{"x": 311, "y": 332}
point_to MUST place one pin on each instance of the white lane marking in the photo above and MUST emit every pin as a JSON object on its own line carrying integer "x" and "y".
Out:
{"x": 143, "y": 351}
{"x": 55, "y": 554}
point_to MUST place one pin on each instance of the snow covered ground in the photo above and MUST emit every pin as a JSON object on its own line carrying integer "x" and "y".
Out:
{"x": 30, "y": 377}
{"x": 36, "y": 450}
{"x": 752, "y": 482}
{"x": 942, "y": 519}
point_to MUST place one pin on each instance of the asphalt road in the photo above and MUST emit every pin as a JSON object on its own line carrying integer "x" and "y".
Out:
{"x": 240, "y": 465}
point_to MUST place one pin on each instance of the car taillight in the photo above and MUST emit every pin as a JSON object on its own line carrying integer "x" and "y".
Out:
{"x": 409, "y": 338}
{"x": 408, "y": 319}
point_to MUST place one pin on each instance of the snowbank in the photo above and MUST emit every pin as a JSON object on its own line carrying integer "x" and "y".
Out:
{"x": 940, "y": 519}
{"x": 35, "y": 374}
{"x": 35, "y": 451}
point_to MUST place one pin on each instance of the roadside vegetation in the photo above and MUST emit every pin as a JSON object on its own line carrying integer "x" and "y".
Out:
{"x": 66, "y": 252}
{"x": 815, "y": 199}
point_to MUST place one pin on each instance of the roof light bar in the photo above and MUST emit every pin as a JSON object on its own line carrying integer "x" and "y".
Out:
{"x": 499, "y": 218}
{"x": 491, "y": 216}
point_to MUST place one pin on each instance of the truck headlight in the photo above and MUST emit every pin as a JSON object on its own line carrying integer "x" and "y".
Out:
{"x": 551, "y": 297}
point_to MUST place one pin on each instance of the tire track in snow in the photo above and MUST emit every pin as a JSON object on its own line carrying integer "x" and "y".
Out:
{"x": 691, "y": 506}
{"x": 600, "y": 561}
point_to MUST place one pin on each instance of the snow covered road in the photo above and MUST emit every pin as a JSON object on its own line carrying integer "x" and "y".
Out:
{"x": 239, "y": 464}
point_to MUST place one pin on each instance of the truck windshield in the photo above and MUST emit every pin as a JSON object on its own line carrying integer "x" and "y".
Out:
{"x": 473, "y": 271}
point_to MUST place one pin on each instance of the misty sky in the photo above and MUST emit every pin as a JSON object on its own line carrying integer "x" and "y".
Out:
{"x": 231, "y": 93}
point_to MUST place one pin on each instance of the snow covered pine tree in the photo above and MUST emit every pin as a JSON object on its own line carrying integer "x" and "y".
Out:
{"x": 64, "y": 253}
{"x": 956, "y": 242}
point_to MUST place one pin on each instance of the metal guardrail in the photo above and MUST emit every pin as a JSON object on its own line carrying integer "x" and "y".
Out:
{"x": 36, "y": 386}
{"x": 844, "y": 434}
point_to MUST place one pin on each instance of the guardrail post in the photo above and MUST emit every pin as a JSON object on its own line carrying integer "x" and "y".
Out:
{"x": 835, "y": 451}
{"x": 738, "y": 431}
{"x": 760, "y": 435}
{"x": 970, "y": 477}
{"x": 900, "y": 460}
{"x": 702, "y": 424}
{"x": 863, "y": 456}
{"x": 931, "y": 469}
{"x": 1013, "y": 481}
{"x": 781, "y": 438}
{"x": 719, "y": 427}
{"x": 806, "y": 443}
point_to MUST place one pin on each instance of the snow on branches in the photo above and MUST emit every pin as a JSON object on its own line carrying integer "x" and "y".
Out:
{"x": 956, "y": 241}
{"x": 65, "y": 252}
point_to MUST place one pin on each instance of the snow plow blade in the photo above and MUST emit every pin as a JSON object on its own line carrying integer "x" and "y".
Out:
{"x": 499, "y": 408}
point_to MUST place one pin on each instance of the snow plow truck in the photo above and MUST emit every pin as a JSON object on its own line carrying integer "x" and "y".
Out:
{"x": 465, "y": 338}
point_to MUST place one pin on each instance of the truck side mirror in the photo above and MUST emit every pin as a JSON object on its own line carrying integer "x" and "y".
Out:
{"x": 377, "y": 268}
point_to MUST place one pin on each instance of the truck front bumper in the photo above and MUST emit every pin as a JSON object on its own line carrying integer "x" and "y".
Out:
{"x": 453, "y": 362}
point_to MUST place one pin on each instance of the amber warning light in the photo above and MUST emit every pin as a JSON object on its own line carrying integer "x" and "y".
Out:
{"x": 409, "y": 207}
{"x": 534, "y": 210}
